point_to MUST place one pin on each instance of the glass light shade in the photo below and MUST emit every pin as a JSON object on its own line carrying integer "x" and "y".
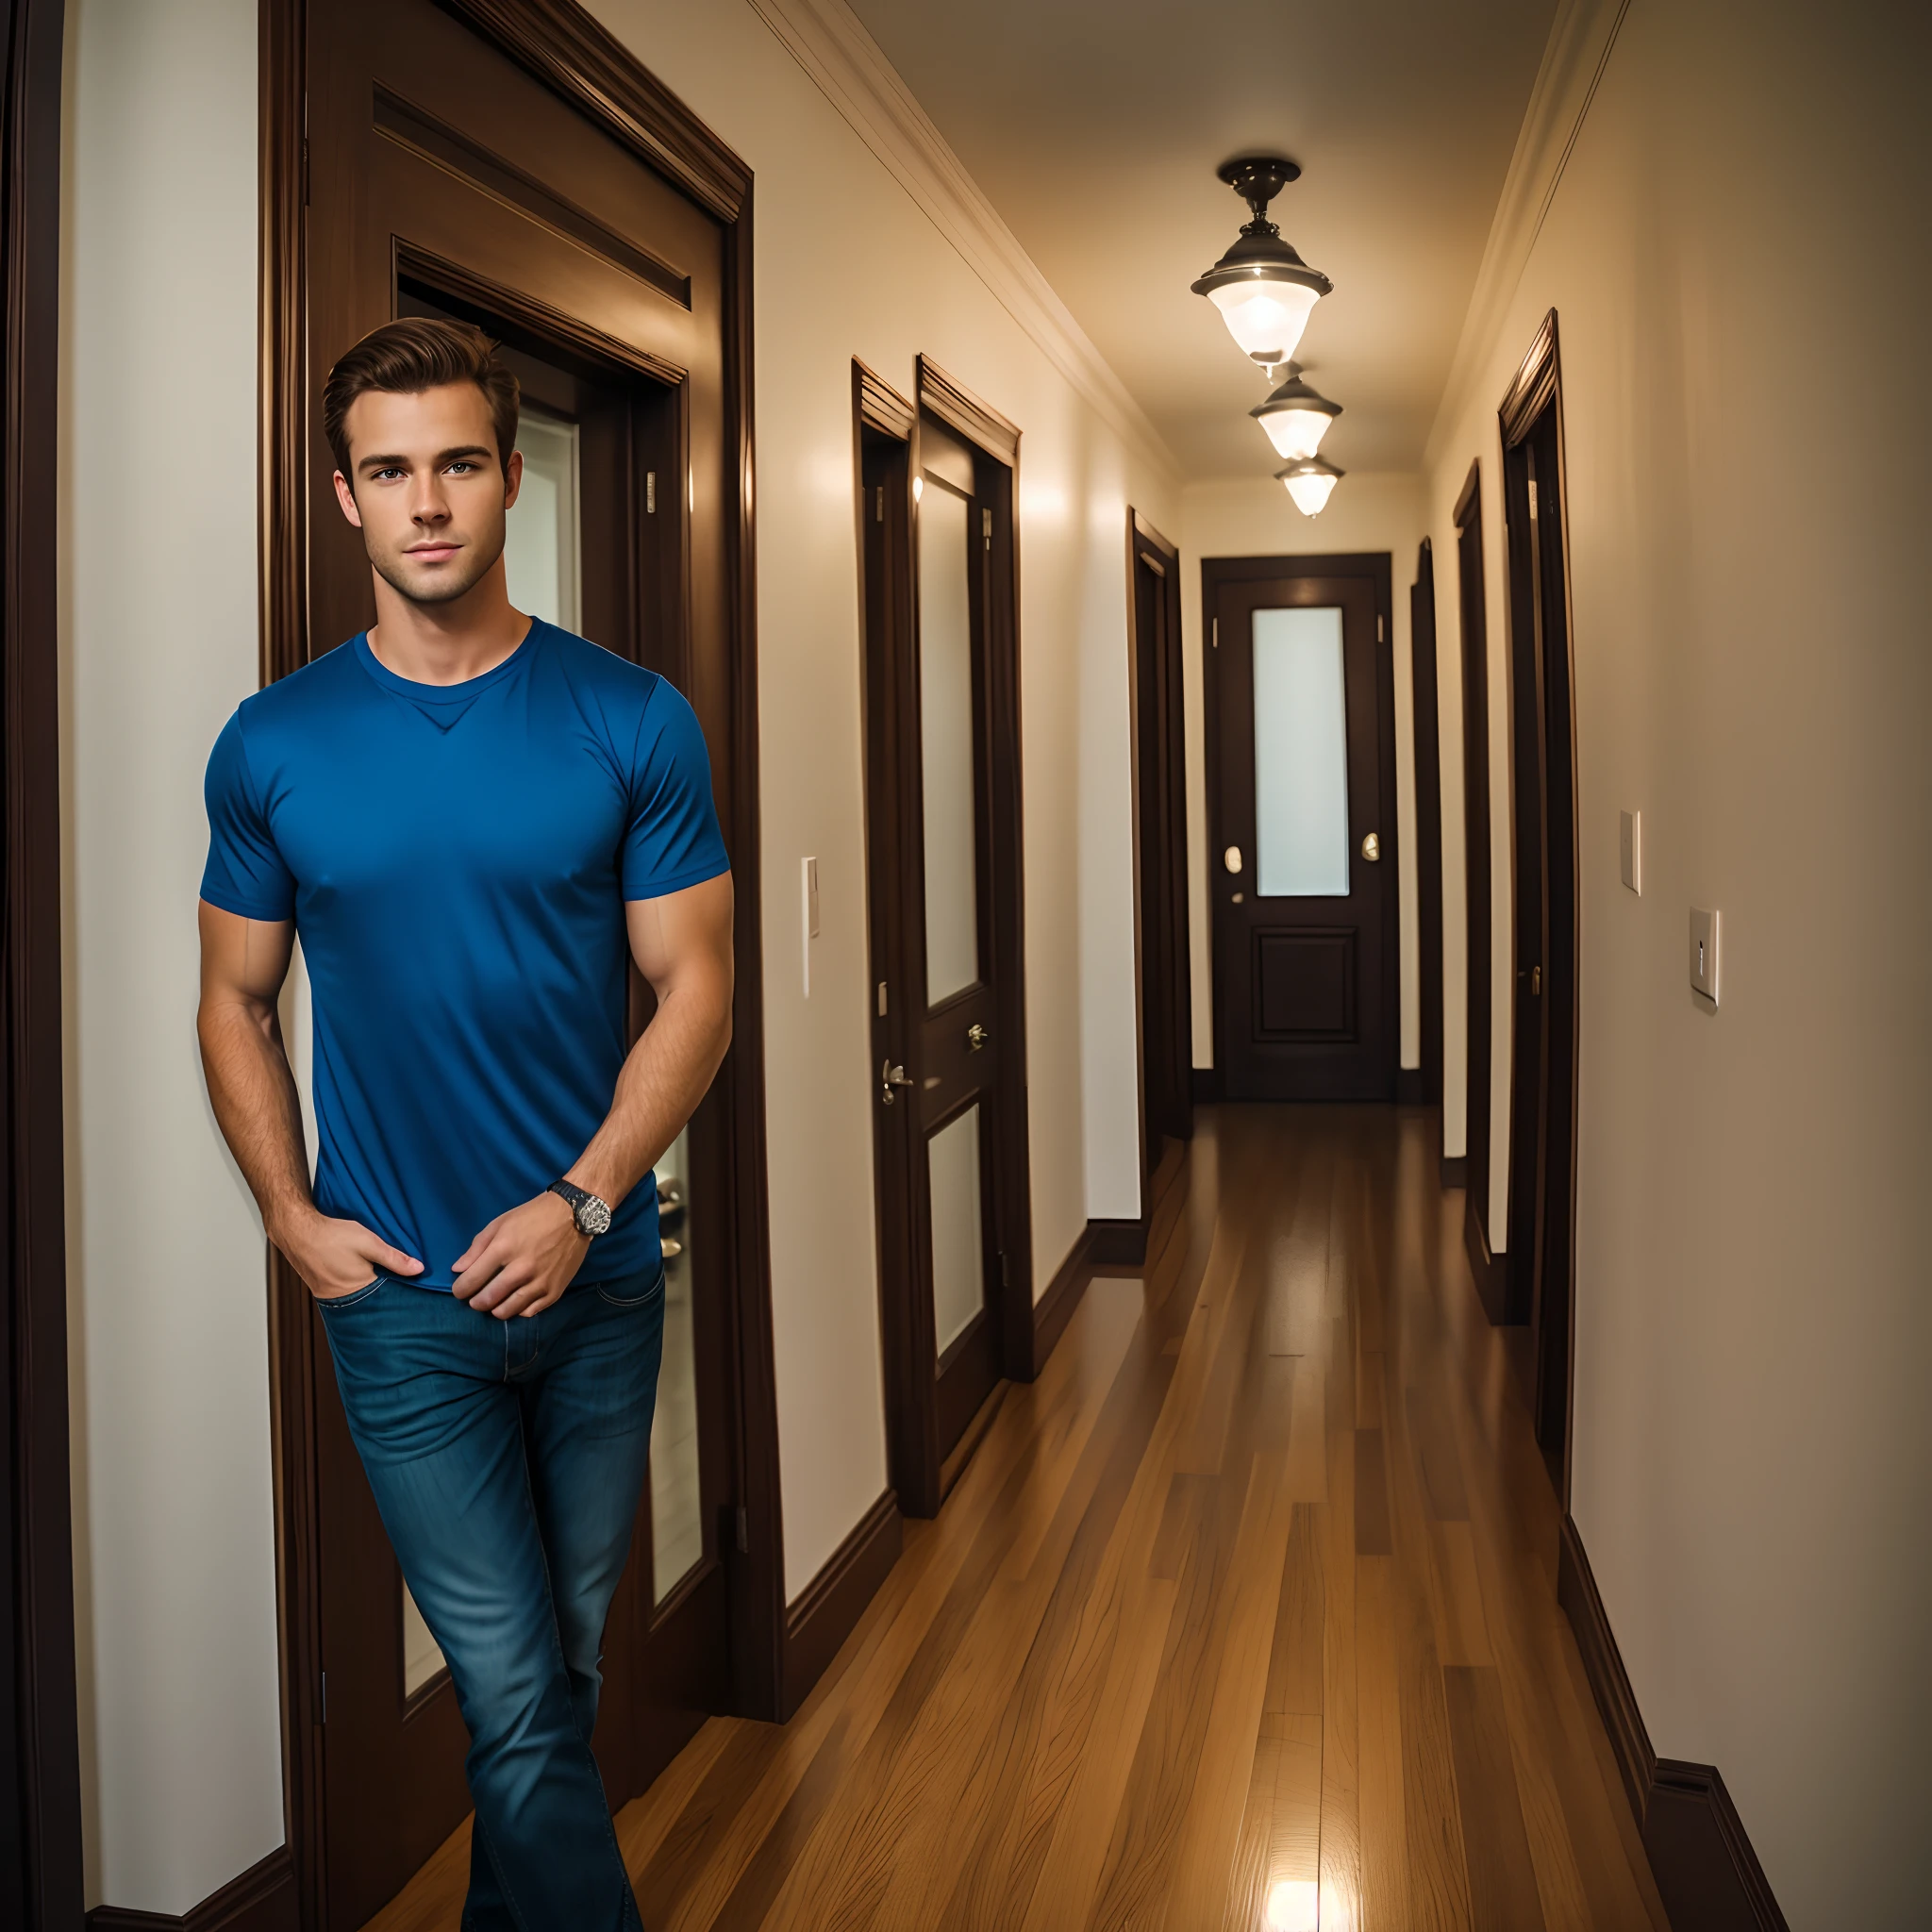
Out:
{"x": 1266, "y": 316}
{"x": 1311, "y": 482}
{"x": 1296, "y": 433}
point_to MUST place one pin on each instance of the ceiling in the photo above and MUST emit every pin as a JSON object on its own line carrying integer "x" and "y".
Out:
{"x": 1095, "y": 127}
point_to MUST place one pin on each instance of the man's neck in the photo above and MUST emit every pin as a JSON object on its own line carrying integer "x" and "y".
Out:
{"x": 446, "y": 644}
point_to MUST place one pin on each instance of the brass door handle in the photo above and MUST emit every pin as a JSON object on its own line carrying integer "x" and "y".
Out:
{"x": 890, "y": 1076}
{"x": 1372, "y": 849}
{"x": 977, "y": 1036}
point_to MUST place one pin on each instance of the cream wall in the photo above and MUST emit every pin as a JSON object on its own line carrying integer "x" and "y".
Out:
{"x": 1254, "y": 516}
{"x": 174, "y": 1522}
{"x": 174, "y": 1504}
{"x": 1745, "y": 421}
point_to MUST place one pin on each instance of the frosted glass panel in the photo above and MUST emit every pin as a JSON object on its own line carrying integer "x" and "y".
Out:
{"x": 422, "y": 1659}
{"x": 1301, "y": 755}
{"x": 945, "y": 738}
{"x": 678, "y": 1537}
{"x": 958, "y": 1262}
{"x": 540, "y": 549}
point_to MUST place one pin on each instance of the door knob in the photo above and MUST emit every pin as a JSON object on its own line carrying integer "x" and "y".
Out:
{"x": 1372, "y": 848}
{"x": 890, "y": 1076}
{"x": 1232, "y": 858}
{"x": 977, "y": 1036}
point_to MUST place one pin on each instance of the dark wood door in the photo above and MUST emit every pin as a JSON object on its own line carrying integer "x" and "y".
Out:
{"x": 445, "y": 180}
{"x": 1429, "y": 818}
{"x": 935, "y": 516}
{"x": 1302, "y": 857}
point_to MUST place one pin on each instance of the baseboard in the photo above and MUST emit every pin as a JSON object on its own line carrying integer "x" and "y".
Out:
{"x": 1408, "y": 1086}
{"x": 1491, "y": 1276}
{"x": 261, "y": 1900}
{"x": 1054, "y": 1308}
{"x": 1116, "y": 1243}
{"x": 828, "y": 1608}
{"x": 1706, "y": 1873}
{"x": 1205, "y": 1086}
{"x": 1456, "y": 1171}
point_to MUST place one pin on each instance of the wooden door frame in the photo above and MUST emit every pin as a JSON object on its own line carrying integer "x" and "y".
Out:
{"x": 994, "y": 437}
{"x": 1429, "y": 825}
{"x": 1165, "y": 868}
{"x": 39, "y": 1761}
{"x": 1376, "y": 567}
{"x": 1478, "y": 1100}
{"x": 1536, "y": 394}
{"x": 564, "y": 48}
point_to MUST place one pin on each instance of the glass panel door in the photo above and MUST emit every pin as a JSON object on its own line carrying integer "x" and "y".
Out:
{"x": 540, "y": 550}
{"x": 946, "y": 744}
{"x": 1301, "y": 755}
{"x": 678, "y": 1537}
{"x": 959, "y": 1251}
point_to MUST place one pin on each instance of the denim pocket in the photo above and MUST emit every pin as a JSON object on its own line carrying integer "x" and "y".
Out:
{"x": 351, "y": 1299}
{"x": 618, "y": 1293}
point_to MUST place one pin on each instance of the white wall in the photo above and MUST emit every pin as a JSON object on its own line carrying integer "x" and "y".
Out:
{"x": 173, "y": 1524}
{"x": 1745, "y": 415}
{"x": 174, "y": 1510}
{"x": 1254, "y": 516}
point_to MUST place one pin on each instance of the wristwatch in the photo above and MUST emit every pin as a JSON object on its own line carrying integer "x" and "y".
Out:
{"x": 592, "y": 1215}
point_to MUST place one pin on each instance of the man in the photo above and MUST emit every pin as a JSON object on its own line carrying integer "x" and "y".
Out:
{"x": 468, "y": 815}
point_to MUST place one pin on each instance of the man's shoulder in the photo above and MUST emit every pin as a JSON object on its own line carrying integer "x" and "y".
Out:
{"x": 585, "y": 662}
{"x": 295, "y": 698}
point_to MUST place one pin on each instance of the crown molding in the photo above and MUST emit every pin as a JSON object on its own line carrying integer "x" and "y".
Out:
{"x": 1580, "y": 42}
{"x": 831, "y": 43}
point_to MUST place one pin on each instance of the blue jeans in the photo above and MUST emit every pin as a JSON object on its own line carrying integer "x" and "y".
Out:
{"x": 508, "y": 1459}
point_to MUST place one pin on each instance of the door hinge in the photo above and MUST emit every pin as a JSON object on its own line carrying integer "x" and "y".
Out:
{"x": 1532, "y": 499}
{"x": 1006, "y": 1273}
{"x": 1215, "y": 634}
{"x": 650, "y": 492}
{"x": 882, "y": 999}
{"x": 986, "y": 527}
{"x": 325, "y": 1697}
{"x": 743, "y": 1530}
{"x": 880, "y": 517}
{"x": 1380, "y": 636}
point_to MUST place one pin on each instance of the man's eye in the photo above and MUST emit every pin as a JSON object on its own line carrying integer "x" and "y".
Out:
{"x": 460, "y": 468}
{"x": 382, "y": 476}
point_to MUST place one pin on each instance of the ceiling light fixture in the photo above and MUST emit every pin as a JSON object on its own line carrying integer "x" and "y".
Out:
{"x": 1263, "y": 288}
{"x": 1295, "y": 417}
{"x": 1310, "y": 483}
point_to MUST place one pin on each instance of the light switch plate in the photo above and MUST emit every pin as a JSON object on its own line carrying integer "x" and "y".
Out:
{"x": 1630, "y": 849}
{"x": 1704, "y": 952}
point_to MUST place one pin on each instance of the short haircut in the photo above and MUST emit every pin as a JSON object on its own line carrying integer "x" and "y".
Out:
{"x": 408, "y": 356}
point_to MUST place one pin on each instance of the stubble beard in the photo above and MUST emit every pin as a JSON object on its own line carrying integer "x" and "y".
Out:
{"x": 439, "y": 583}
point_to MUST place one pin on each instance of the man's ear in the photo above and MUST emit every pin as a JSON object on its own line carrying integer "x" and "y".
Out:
{"x": 512, "y": 479}
{"x": 346, "y": 497}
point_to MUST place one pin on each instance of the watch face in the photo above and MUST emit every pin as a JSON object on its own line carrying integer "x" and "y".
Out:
{"x": 593, "y": 1216}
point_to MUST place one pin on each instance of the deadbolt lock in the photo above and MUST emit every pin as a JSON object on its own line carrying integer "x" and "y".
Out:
{"x": 977, "y": 1036}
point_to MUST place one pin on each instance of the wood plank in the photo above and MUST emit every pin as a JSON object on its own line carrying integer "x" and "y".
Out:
{"x": 1384, "y": 1847}
{"x": 1502, "y": 1880}
{"x": 1372, "y": 1533}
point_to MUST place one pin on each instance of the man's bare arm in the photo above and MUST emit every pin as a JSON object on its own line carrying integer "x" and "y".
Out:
{"x": 244, "y": 963}
{"x": 524, "y": 1259}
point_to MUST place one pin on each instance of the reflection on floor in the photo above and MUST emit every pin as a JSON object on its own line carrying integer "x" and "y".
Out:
{"x": 1244, "y": 1612}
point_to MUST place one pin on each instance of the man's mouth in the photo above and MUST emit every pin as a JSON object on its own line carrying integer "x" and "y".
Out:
{"x": 432, "y": 553}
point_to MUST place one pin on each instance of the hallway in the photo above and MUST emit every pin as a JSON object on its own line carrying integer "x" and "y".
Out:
{"x": 1254, "y": 1589}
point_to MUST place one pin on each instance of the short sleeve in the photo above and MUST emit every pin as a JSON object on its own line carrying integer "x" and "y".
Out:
{"x": 245, "y": 872}
{"x": 674, "y": 840}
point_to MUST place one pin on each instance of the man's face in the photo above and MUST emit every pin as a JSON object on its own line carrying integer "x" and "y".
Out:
{"x": 427, "y": 491}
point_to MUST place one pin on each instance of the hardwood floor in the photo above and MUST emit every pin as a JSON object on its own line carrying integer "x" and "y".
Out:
{"x": 1245, "y": 1609}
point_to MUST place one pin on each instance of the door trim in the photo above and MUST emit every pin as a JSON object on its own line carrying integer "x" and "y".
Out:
{"x": 563, "y": 46}
{"x": 983, "y": 425}
{"x": 1155, "y": 991}
{"x": 1376, "y": 567}
{"x": 1425, "y": 710}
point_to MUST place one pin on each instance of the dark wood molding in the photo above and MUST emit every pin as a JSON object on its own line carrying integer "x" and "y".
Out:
{"x": 957, "y": 408}
{"x": 1117, "y": 1243}
{"x": 1533, "y": 385}
{"x": 1206, "y": 1084}
{"x": 1410, "y": 1090}
{"x": 878, "y": 405}
{"x": 1454, "y": 1170}
{"x": 1061, "y": 1296}
{"x": 1491, "y": 1272}
{"x": 39, "y": 1761}
{"x": 1469, "y": 498}
{"x": 1427, "y": 740}
{"x": 584, "y": 63}
{"x": 1474, "y": 646}
{"x": 1700, "y": 1853}
{"x": 828, "y": 1609}
{"x": 263, "y": 1899}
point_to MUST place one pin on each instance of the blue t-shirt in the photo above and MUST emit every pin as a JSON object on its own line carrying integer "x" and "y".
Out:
{"x": 457, "y": 859}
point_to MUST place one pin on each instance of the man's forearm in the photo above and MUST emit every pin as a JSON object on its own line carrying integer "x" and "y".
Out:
{"x": 259, "y": 1113}
{"x": 661, "y": 1082}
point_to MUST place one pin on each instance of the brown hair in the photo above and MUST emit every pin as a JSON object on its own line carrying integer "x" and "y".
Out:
{"x": 408, "y": 356}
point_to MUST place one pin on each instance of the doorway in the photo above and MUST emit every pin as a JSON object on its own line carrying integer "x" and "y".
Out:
{"x": 451, "y": 169}
{"x": 1542, "y": 1110}
{"x": 1428, "y": 824}
{"x": 1299, "y": 683}
{"x": 1473, "y": 613}
{"x": 1157, "y": 727}
{"x": 936, "y": 502}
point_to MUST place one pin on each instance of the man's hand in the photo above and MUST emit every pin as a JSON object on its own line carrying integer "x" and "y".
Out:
{"x": 336, "y": 1257}
{"x": 524, "y": 1260}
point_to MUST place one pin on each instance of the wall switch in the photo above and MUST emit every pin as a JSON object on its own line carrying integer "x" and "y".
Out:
{"x": 1630, "y": 849}
{"x": 1703, "y": 956}
{"x": 809, "y": 909}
